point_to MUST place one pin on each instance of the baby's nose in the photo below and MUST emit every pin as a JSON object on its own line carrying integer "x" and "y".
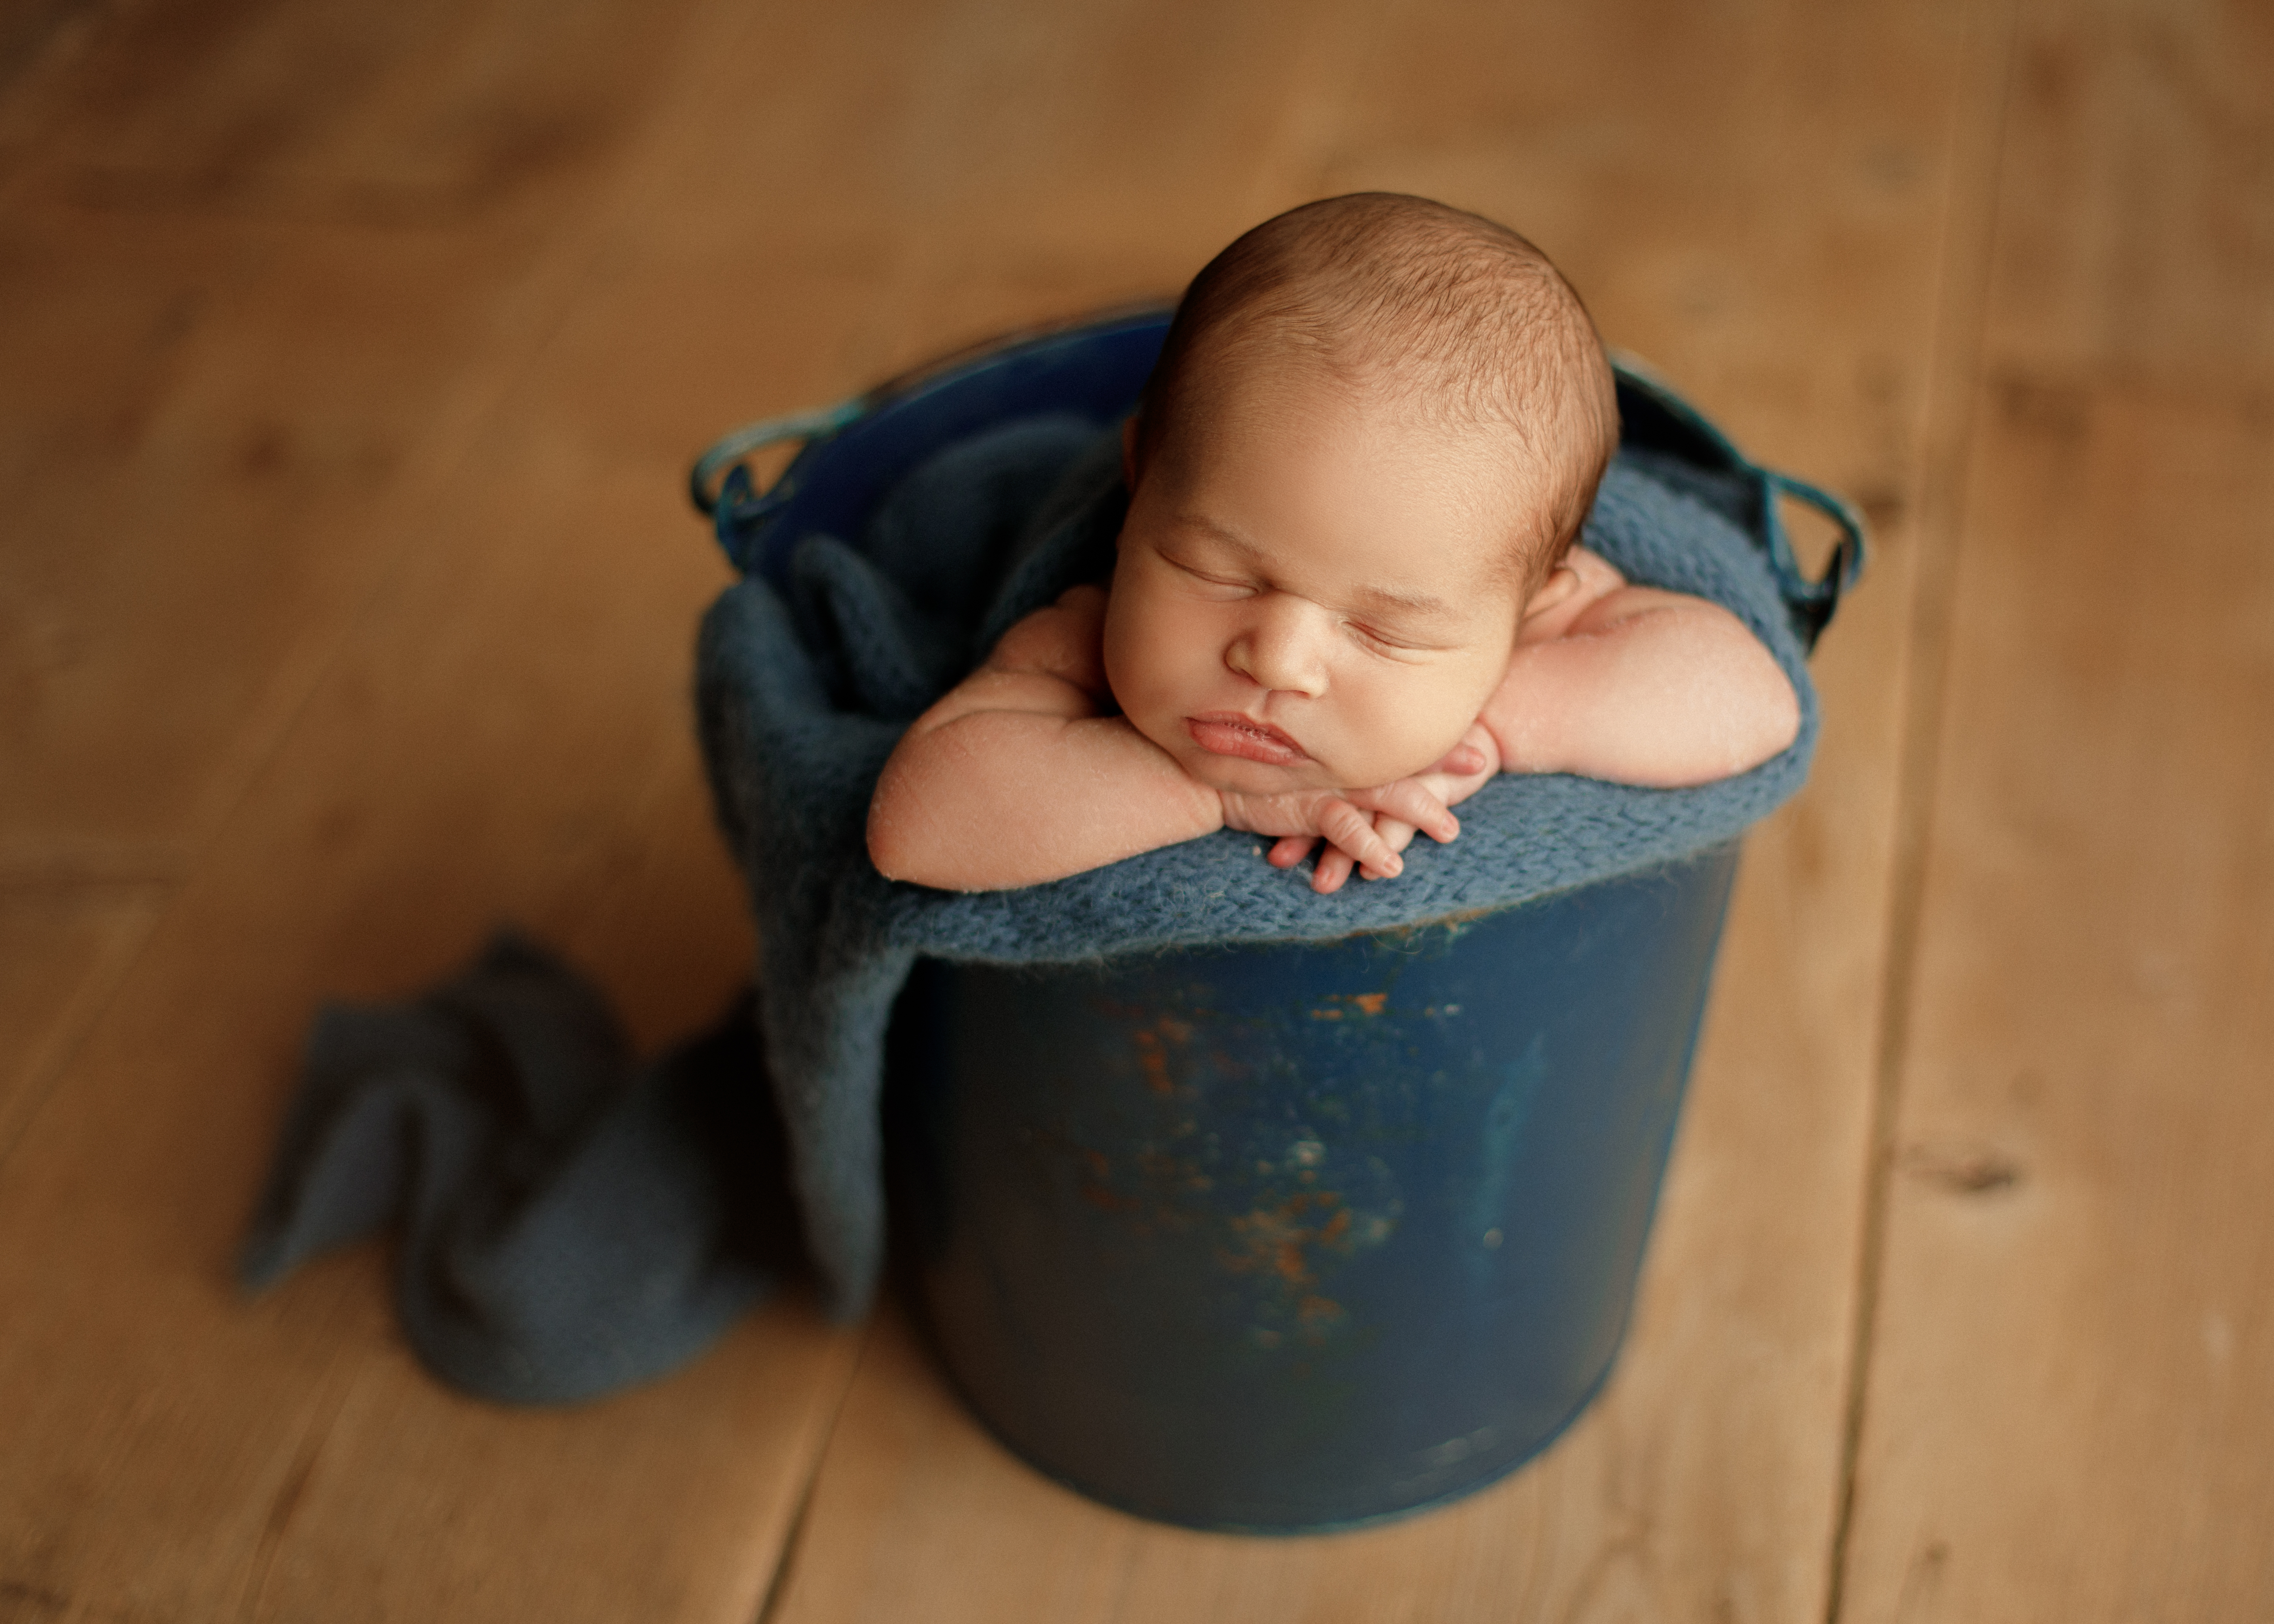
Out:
{"x": 1280, "y": 648}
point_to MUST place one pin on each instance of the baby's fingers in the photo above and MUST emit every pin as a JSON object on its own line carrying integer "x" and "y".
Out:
{"x": 1408, "y": 801}
{"x": 1289, "y": 850}
{"x": 1397, "y": 833}
{"x": 1334, "y": 868}
{"x": 1464, "y": 760}
{"x": 1352, "y": 831}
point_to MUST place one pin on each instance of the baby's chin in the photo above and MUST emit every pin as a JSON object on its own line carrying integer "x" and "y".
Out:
{"x": 1247, "y": 777}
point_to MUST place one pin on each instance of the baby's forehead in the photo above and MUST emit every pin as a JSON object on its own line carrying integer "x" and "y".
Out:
{"x": 1409, "y": 526}
{"x": 1368, "y": 417}
{"x": 1231, "y": 386}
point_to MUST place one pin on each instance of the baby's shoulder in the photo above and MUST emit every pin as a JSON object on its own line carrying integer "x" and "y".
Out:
{"x": 1065, "y": 640}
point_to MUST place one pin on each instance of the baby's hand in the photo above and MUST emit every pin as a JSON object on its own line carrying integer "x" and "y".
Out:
{"x": 1466, "y": 768}
{"x": 1345, "y": 819}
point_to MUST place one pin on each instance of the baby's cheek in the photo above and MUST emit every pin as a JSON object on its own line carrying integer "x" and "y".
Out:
{"x": 1152, "y": 643}
{"x": 1138, "y": 668}
{"x": 1124, "y": 645}
{"x": 1410, "y": 725}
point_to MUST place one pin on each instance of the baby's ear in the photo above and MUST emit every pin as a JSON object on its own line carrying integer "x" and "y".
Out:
{"x": 1561, "y": 582}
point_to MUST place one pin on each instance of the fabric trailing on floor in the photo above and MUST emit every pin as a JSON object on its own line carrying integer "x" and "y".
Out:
{"x": 571, "y": 1222}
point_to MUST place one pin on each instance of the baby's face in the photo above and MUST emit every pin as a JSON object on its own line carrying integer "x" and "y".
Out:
{"x": 1312, "y": 592}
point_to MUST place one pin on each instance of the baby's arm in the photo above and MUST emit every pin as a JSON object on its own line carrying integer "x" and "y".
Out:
{"x": 1638, "y": 686}
{"x": 1014, "y": 778}
{"x": 1626, "y": 683}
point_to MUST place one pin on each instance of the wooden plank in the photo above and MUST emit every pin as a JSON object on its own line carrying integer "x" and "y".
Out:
{"x": 1793, "y": 286}
{"x": 2069, "y": 1415}
{"x": 32, "y": 29}
{"x": 63, "y": 948}
{"x": 667, "y": 1502}
{"x": 417, "y": 114}
{"x": 226, "y": 394}
{"x": 192, "y": 489}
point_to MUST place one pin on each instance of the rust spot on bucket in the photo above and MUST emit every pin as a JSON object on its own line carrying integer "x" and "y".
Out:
{"x": 1106, "y": 1200}
{"x": 1153, "y": 1063}
{"x": 1153, "y": 1044}
{"x": 1276, "y": 1236}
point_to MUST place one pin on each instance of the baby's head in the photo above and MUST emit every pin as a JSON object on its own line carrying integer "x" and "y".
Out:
{"x": 1374, "y": 432}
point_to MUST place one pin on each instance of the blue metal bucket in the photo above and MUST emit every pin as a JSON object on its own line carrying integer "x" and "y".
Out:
{"x": 1283, "y": 1237}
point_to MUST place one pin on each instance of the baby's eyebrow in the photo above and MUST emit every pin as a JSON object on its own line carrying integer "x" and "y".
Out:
{"x": 1221, "y": 532}
{"x": 1417, "y": 606}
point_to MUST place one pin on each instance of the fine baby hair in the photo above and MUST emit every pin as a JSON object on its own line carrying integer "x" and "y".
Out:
{"x": 1457, "y": 318}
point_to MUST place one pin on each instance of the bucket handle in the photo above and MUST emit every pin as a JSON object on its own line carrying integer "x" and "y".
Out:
{"x": 1811, "y": 603}
{"x": 727, "y": 453}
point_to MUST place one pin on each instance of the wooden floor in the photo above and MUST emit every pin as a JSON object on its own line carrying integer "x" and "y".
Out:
{"x": 350, "y": 359}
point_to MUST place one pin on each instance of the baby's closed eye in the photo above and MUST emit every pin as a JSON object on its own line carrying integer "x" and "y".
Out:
{"x": 1391, "y": 644}
{"x": 1214, "y": 584}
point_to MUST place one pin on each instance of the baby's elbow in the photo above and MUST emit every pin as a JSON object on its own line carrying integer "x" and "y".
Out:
{"x": 1780, "y": 717}
{"x": 889, "y": 849}
{"x": 1752, "y": 710}
{"x": 912, "y": 860}
{"x": 1767, "y": 707}
{"x": 1758, "y": 719}
{"x": 920, "y": 836}
{"x": 898, "y": 843}
{"x": 1737, "y": 710}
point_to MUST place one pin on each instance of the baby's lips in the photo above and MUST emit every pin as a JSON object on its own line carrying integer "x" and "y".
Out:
{"x": 1223, "y": 733}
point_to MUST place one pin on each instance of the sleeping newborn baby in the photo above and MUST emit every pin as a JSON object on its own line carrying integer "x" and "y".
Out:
{"x": 1348, "y": 590}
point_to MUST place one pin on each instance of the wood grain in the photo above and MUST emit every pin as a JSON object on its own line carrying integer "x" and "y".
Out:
{"x": 191, "y": 497}
{"x": 417, "y": 114}
{"x": 62, "y": 948}
{"x": 230, "y": 400}
{"x": 2069, "y": 1415}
